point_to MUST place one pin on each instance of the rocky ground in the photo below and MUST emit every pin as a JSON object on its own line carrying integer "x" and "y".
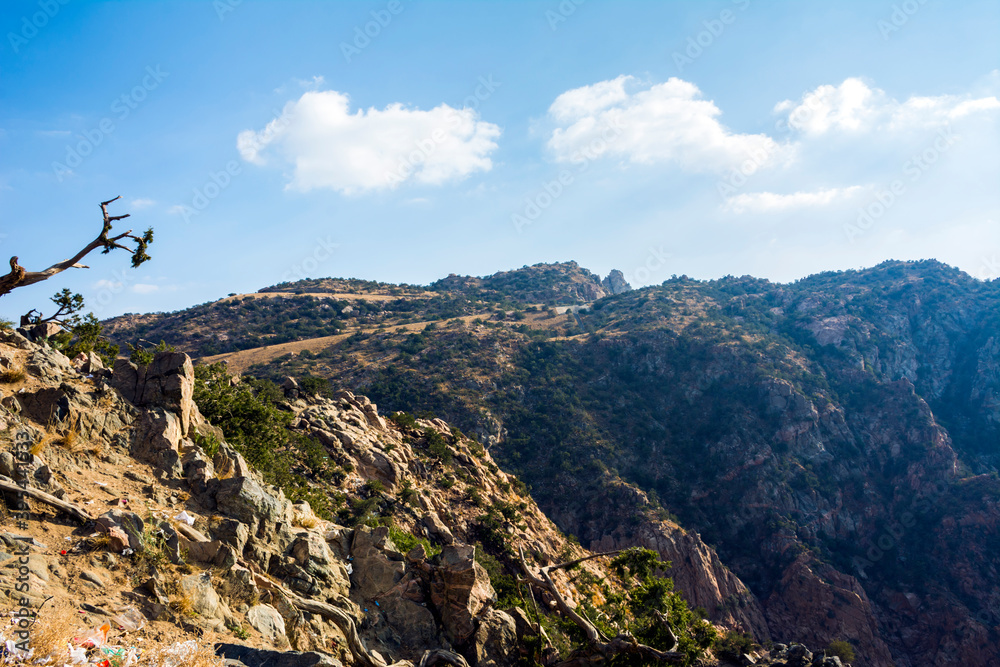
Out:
{"x": 119, "y": 517}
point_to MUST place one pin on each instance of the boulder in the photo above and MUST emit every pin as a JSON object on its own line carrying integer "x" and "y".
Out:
{"x": 205, "y": 602}
{"x": 495, "y": 641}
{"x": 157, "y": 440}
{"x": 48, "y": 364}
{"x": 268, "y": 622}
{"x": 167, "y": 382}
{"x": 374, "y": 573}
{"x": 15, "y": 339}
{"x": 314, "y": 558}
{"x": 460, "y": 589}
{"x": 437, "y": 529}
{"x": 119, "y": 523}
{"x": 255, "y": 657}
{"x": 245, "y": 500}
{"x": 44, "y": 331}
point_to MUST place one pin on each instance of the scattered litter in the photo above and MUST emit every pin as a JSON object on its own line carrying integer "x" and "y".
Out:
{"x": 177, "y": 655}
{"x": 10, "y": 650}
{"x": 185, "y": 517}
{"x": 77, "y": 655}
{"x": 350, "y": 569}
{"x": 130, "y": 620}
{"x": 101, "y": 483}
{"x": 377, "y": 604}
{"x": 97, "y": 637}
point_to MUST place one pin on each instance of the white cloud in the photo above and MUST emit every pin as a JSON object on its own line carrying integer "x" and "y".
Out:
{"x": 770, "y": 202}
{"x": 142, "y": 203}
{"x": 854, "y": 106}
{"x": 145, "y": 288}
{"x": 372, "y": 149}
{"x": 107, "y": 284}
{"x": 666, "y": 122}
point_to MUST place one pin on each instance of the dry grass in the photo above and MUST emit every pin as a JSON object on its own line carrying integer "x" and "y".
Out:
{"x": 101, "y": 542}
{"x": 39, "y": 446}
{"x": 71, "y": 440}
{"x": 56, "y": 625}
{"x": 12, "y": 375}
{"x": 306, "y": 521}
{"x": 183, "y": 604}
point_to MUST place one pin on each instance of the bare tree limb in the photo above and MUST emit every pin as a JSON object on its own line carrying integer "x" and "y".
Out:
{"x": 20, "y": 277}
{"x": 598, "y": 651}
{"x": 77, "y": 512}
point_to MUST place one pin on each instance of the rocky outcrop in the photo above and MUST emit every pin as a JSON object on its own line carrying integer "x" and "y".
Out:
{"x": 460, "y": 589}
{"x": 615, "y": 283}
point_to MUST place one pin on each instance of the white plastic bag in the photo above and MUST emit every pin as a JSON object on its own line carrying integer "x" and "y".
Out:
{"x": 185, "y": 517}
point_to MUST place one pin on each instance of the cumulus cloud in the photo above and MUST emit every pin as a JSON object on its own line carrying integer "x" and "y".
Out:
{"x": 332, "y": 147}
{"x": 145, "y": 288}
{"x": 854, "y": 106}
{"x": 142, "y": 203}
{"x": 770, "y": 202}
{"x": 663, "y": 123}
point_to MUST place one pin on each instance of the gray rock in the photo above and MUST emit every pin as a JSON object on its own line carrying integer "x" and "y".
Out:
{"x": 268, "y": 622}
{"x": 129, "y": 522}
{"x": 437, "y": 528}
{"x": 45, "y": 330}
{"x": 15, "y": 339}
{"x": 204, "y": 599}
{"x": 244, "y": 499}
{"x": 495, "y": 640}
{"x": 167, "y": 382}
{"x": 616, "y": 283}
{"x": 48, "y": 364}
{"x": 460, "y": 589}
{"x": 157, "y": 440}
{"x": 92, "y": 577}
{"x": 255, "y": 657}
{"x": 233, "y": 533}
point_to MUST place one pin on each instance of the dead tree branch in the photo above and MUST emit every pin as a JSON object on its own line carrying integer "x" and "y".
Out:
{"x": 75, "y": 511}
{"x": 20, "y": 277}
{"x": 596, "y": 650}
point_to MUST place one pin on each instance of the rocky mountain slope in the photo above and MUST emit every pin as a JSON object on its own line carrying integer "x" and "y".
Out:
{"x": 835, "y": 439}
{"x": 131, "y": 508}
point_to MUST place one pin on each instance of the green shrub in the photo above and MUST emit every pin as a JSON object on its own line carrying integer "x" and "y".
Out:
{"x": 842, "y": 650}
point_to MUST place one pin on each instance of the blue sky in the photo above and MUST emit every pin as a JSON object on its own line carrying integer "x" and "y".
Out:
{"x": 268, "y": 141}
